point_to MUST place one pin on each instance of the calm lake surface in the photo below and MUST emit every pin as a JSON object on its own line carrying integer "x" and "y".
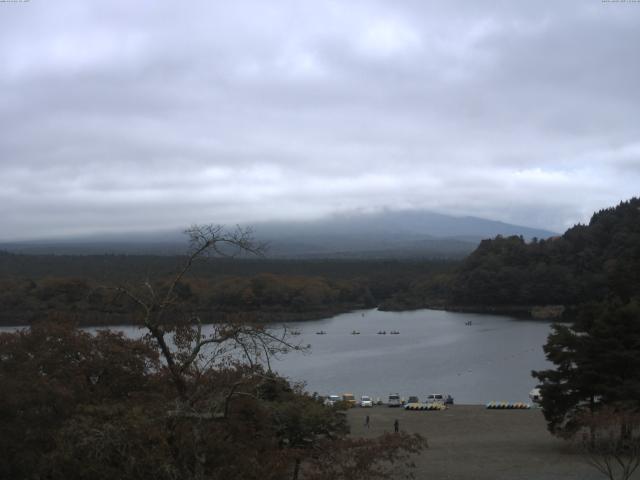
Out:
{"x": 435, "y": 352}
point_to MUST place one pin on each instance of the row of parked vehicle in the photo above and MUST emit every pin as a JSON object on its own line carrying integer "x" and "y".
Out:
{"x": 394, "y": 400}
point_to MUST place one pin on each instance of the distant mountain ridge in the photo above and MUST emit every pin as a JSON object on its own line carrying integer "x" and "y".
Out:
{"x": 407, "y": 233}
{"x": 385, "y": 234}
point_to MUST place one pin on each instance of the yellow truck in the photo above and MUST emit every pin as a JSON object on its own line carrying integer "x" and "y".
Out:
{"x": 349, "y": 399}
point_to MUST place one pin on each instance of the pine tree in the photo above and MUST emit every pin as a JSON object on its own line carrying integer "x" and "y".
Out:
{"x": 597, "y": 363}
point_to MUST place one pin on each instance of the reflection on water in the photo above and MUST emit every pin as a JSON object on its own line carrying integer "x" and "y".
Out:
{"x": 435, "y": 352}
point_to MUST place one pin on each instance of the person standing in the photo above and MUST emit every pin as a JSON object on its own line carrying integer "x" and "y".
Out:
{"x": 396, "y": 426}
{"x": 366, "y": 421}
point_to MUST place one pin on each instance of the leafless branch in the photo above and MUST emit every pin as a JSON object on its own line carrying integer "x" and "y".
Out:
{"x": 189, "y": 343}
{"x": 612, "y": 444}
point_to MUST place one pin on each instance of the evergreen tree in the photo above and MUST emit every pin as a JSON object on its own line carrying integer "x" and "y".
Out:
{"x": 597, "y": 363}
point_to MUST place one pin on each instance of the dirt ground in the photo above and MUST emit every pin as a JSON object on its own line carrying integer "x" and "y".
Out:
{"x": 471, "y": 442}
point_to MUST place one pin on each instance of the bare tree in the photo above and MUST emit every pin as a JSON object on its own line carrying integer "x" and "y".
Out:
{"x": 186, "y": 349}
{"x": 610, "y": 441}
{"x": 191, "y": 355}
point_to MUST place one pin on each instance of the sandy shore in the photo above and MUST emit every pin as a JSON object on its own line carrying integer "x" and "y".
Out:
{"x": 471, "y": 442}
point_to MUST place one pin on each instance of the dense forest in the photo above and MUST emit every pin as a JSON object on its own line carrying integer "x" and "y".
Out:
{"x": 589, "y": 262}
{"x": 84, "y": 287}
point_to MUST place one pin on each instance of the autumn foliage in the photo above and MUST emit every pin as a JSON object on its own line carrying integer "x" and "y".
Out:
{"x": 83, "y": 406}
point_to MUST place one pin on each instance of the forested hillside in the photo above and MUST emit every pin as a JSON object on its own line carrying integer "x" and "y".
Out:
{"x": 588, "y": 262}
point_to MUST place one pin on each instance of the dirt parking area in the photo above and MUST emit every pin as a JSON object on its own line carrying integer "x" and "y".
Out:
{"x": 471, "y": 442}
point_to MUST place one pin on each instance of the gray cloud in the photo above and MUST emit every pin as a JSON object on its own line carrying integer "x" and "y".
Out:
{"x": 143, "y": 115}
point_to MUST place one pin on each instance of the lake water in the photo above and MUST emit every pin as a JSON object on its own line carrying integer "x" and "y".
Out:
{"x": 435, "y": 352}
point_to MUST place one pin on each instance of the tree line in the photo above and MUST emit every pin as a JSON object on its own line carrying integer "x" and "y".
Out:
{"x": 33, "y": 287}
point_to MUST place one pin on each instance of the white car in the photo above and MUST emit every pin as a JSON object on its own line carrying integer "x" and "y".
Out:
{"x": 331, "y": 400}
{"x": 366, "y": 401}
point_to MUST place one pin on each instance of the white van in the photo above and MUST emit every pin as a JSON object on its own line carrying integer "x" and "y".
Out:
{"x": 394, "y": 400}
{"x": 435, "y": 398}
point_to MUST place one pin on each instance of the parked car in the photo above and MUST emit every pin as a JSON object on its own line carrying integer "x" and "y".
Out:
{"x": 331, "y": 400}
{"x": 435, "y": 398}
{"x": 349, "y": 399}
{"x": 366, "y": 401}
{"x": 413, "y": 399}
{"x": 394, "y": 400}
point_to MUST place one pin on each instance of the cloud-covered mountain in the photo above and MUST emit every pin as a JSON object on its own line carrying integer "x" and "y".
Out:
{"x": 393, "y": 234}
{"x": 386, "y": 234}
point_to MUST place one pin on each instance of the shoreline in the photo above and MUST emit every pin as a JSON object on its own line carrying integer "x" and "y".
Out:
{"x": 535, "y": 312}
{"x": 114, "y": 319}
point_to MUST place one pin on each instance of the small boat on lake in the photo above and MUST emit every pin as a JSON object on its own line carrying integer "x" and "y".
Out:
{"x": 382, "y": 332}
{"x": 394, "y": 332}
{"x": 355, "y": 332}
{"x": 321, "y": 332}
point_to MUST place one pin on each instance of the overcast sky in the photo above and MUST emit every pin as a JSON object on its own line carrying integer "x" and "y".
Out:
{"x": 118, "y": 115}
